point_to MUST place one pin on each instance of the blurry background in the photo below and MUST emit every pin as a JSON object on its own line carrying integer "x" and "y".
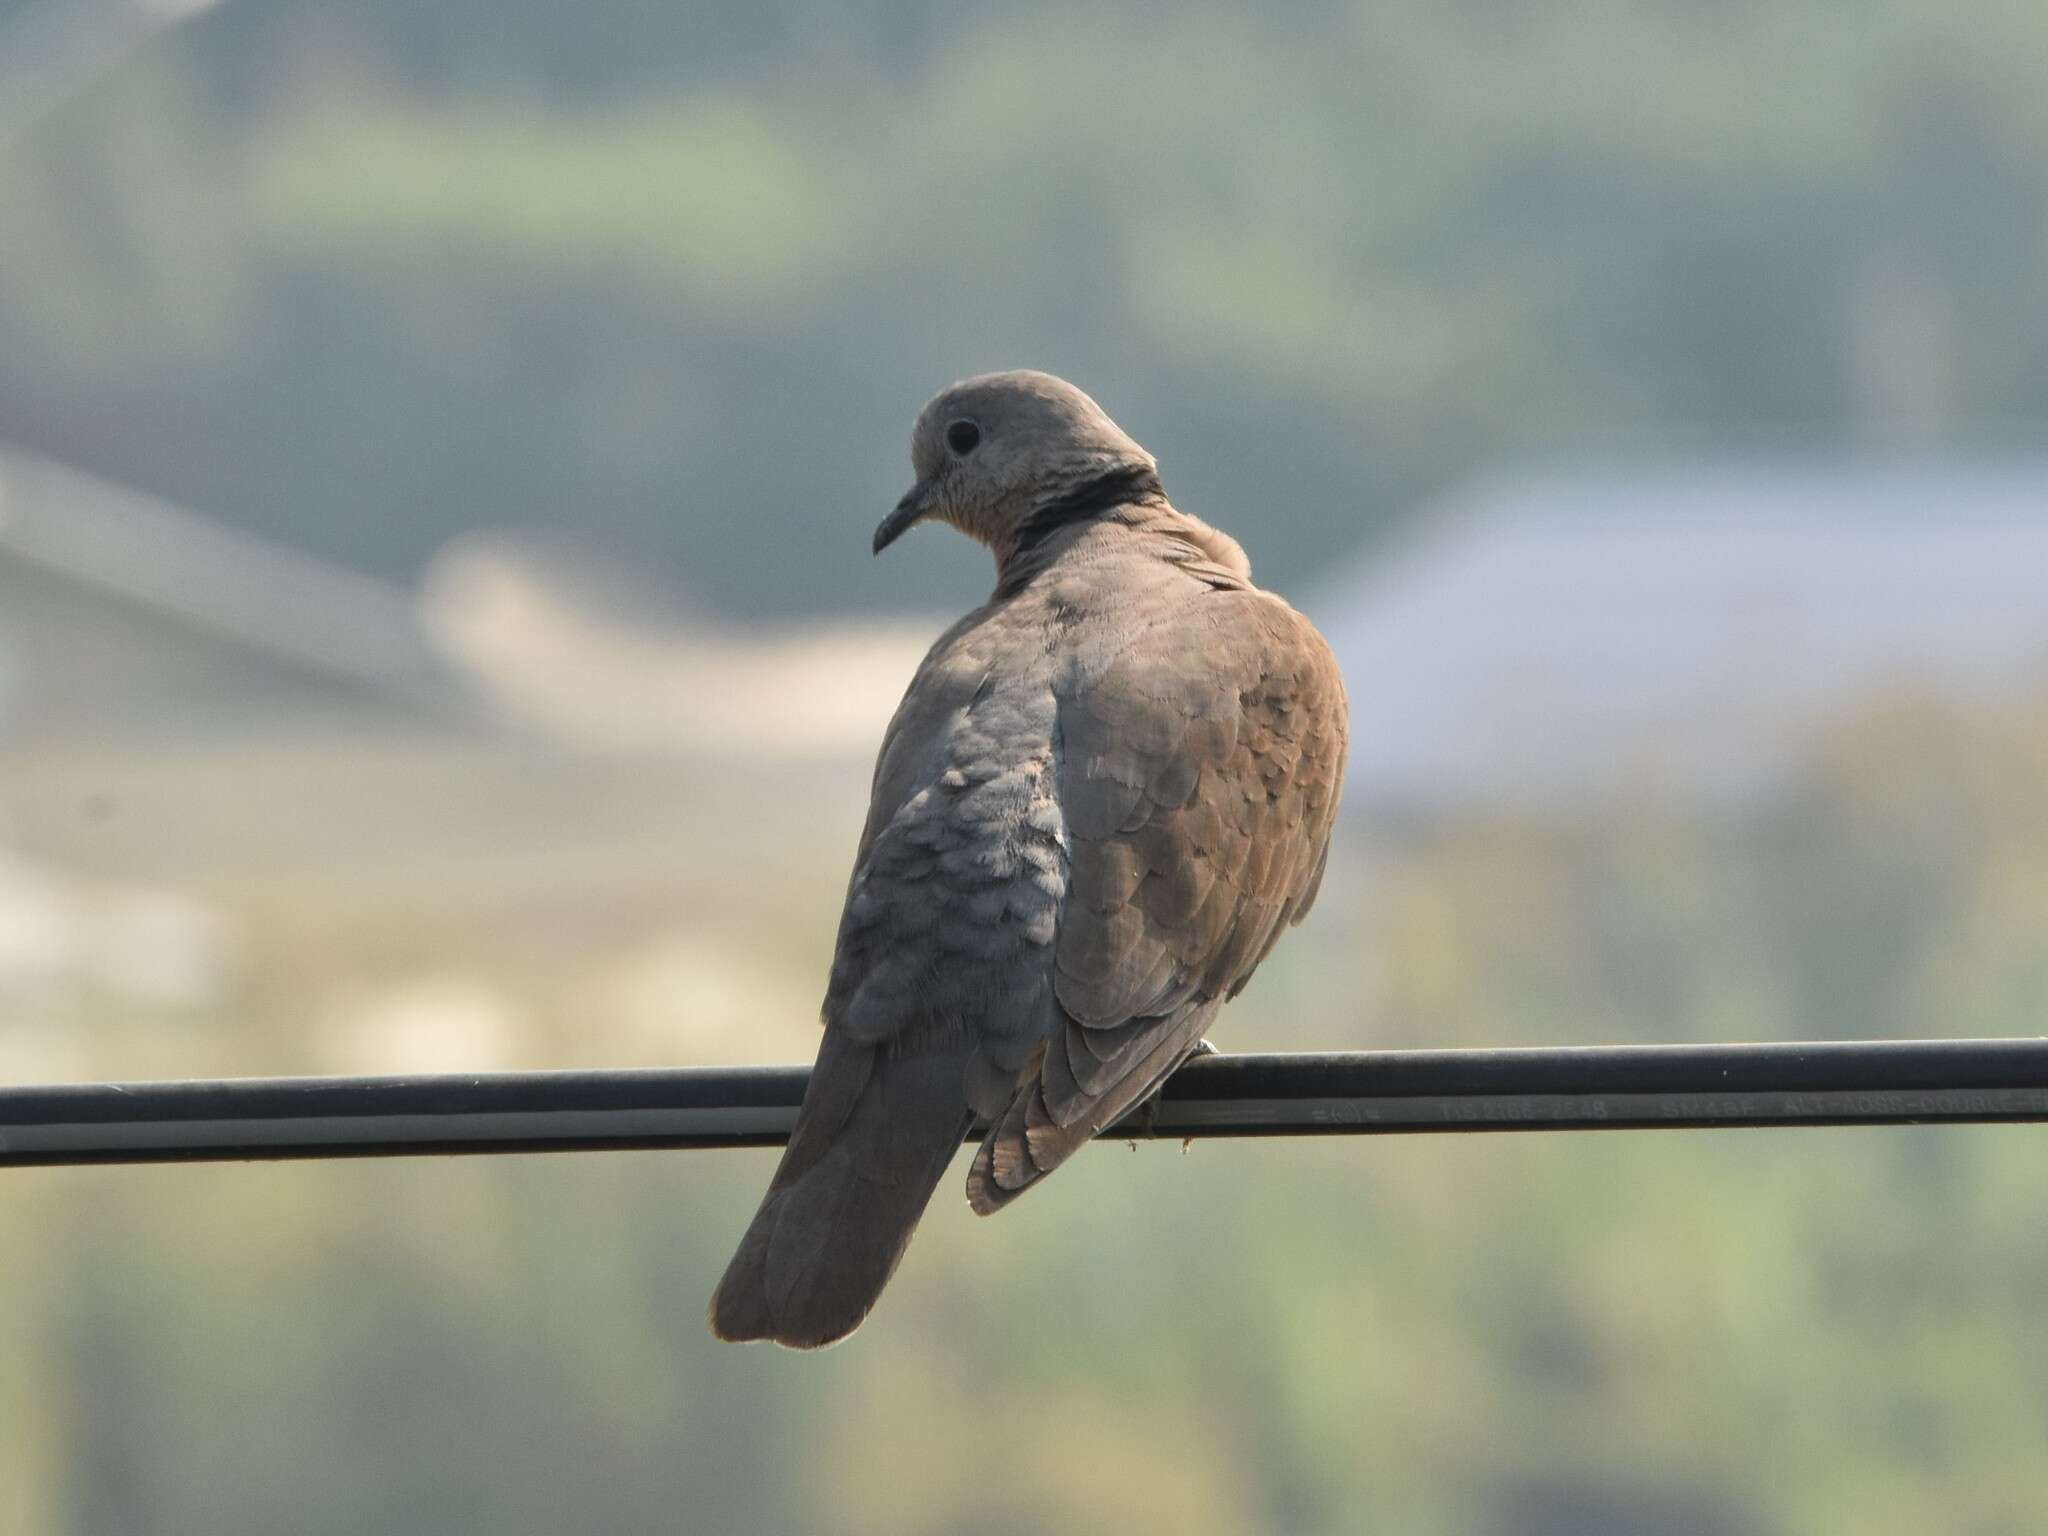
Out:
{"x": 414, "y": 416}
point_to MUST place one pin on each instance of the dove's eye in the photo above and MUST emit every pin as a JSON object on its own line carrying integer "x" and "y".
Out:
{"x": 963, "y": 437}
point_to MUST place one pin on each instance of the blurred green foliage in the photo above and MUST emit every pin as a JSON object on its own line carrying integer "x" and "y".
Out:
{"x": 1765, "y": 1332}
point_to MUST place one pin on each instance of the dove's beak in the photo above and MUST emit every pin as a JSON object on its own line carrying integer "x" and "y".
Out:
{"x": 915, "y": 506}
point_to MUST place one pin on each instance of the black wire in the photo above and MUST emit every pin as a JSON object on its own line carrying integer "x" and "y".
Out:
{"x": 1576, "y": 1088}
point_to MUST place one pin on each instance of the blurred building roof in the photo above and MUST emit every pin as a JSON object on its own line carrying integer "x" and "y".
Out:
{"x": 578, "y": 648}
{"x": 119, "y": 612}
{"x": 1548, "y": 639}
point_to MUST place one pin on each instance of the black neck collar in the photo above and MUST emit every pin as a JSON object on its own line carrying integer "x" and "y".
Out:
{"x": 1089, "y": 499}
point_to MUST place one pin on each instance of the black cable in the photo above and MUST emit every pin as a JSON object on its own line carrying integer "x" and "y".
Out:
{"x": 1577, "y": 1088}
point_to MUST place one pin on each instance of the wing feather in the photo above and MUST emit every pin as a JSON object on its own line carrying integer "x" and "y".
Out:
{"x": 1199, "y": 776}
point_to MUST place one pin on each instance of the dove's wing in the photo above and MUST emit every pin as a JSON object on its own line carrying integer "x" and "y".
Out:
{"x": 1198, "y": 776}
{"x": 944, "y": 963}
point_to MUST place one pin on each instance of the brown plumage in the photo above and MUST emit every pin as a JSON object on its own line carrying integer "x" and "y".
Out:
{"x": 1106, "y": 793}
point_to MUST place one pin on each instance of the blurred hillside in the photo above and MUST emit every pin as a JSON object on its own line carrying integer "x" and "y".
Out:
{"x": 677, "y": 277}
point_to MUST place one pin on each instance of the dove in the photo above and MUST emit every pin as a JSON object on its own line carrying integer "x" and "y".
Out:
{"x": 1107, "y": 792}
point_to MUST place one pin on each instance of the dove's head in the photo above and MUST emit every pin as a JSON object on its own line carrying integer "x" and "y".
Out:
{"x": 993, "y": 452}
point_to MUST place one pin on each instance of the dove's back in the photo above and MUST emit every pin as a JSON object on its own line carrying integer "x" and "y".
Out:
{"x": 1103, "y": 796}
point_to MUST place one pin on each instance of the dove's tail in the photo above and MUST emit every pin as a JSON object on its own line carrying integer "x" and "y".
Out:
{"x": 872, "y": 1141}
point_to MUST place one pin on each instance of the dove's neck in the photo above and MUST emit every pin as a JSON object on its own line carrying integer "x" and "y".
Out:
{"x": 1085, "y": 499}
{"x": 1125, "y": 485}
{"x": 1130, "y": 498}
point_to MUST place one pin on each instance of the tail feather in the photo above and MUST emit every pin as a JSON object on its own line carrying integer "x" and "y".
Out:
{"x": 873, "y": 1139}
{"x": 1028, "y": 1141}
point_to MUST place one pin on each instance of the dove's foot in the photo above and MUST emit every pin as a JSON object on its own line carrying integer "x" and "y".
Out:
{"x": 1202, "y": 1048}
{"x": 1147, "y": 1113}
